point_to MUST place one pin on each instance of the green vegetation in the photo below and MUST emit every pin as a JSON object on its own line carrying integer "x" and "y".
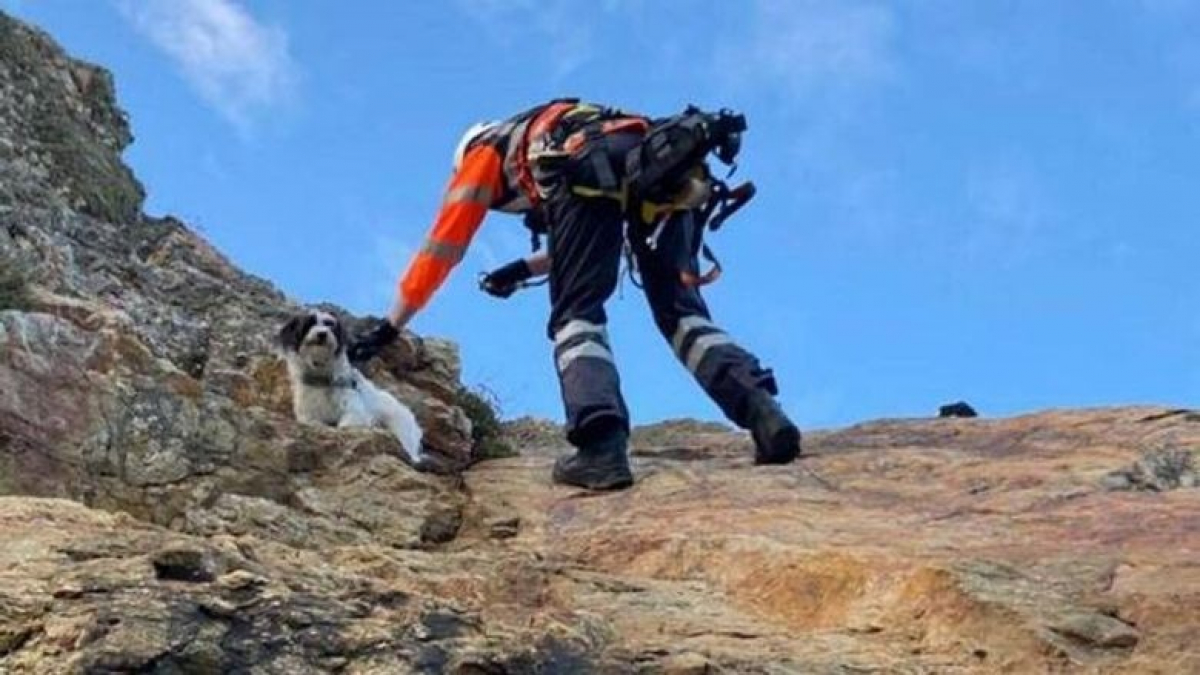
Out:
{"x": 14, "y": 284}
{"x": 487, "y": 432}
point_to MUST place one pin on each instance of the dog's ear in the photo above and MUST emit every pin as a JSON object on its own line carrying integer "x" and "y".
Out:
{"x": 292, "y": 334}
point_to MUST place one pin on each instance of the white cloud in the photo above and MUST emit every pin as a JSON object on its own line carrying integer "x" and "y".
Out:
{"x": 805, "y": 46}
{"x": 239, "y": 65}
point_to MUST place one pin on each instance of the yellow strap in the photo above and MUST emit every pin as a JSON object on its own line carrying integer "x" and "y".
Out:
{"x": 583, "y": 109}
{"x": 621, "y": 195}
{"x": 650, "y": 210}
{"x": 590, "y": 192}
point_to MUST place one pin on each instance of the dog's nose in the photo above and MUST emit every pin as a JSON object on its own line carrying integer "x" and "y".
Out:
{"x": 320, "y": 338}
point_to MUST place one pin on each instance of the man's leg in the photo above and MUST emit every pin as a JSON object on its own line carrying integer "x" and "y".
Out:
{"x": 731, "y": 376}
{"x": 586, "y": 237}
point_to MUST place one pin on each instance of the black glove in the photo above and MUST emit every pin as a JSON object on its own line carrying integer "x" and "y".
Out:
{"x": 504, "y": 281}
{"x": 372, "y": 342}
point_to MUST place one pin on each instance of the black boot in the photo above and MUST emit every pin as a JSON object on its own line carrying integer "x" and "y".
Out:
{"x": 776, "y": 438}
{"x": 598, "y": 465}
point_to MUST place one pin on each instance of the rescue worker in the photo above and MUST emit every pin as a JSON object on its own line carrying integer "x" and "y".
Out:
{"x": 570, "y": 168}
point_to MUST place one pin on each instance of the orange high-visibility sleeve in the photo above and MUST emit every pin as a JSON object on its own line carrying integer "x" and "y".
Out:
{"x": 471, "y": 192}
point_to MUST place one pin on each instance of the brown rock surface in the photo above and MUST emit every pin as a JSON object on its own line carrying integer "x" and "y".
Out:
{"x": 899, "y": 546}
{"x": 160, "y": 512}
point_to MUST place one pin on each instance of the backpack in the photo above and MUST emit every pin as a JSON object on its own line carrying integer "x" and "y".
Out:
{"x": 674, "y": 147}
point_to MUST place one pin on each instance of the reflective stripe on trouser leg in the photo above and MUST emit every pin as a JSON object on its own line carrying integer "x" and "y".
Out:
{"x": 580, "y": 339}
{"x": 586, "y": 237}
{"x": 726, "y": 371}
{"x": 730, "y": 375}
{"x": 694, "y": 337}
{"x": 591, "y": 387}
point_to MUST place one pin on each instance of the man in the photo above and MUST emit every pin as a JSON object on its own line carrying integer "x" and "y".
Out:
{"x": 580, "y": 172}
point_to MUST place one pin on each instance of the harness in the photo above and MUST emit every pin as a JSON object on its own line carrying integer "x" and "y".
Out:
{"x": 722, "y": 203}
{"x": 540, "y": 144}
{"x": 537, "y": 143}
{"x": 536, "y": 146}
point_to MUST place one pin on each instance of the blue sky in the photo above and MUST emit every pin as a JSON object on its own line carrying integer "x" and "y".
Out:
{"x": 995, "y": 201}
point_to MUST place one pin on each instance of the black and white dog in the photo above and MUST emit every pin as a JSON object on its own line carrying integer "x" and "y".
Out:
{"x": 326, "y": 389}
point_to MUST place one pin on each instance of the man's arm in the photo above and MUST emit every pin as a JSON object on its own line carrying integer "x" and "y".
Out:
{"x": 464, "y": 207}
{"x": 503, "y": 281}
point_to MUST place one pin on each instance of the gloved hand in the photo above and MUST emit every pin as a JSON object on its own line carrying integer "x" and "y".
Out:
{"x": 504, "y": 281}
{"x": 369, "y": 344}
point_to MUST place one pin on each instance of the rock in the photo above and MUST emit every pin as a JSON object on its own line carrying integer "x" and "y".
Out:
{"x": 504, "y": 528}
{"x": 878, "y": 539}
{"x": 143, "y": 376}
{"x": 1157, "y": 471}
{"x": 238, "y": 580}
{"x": 153, "y": 294}
{"x": 141, "y": 622}
{"x": 443, "y": 527}
{"x": 1117, "y": 480}
{"x": 958, "y": 409}
{"x": 445, "y": 625}
{"x": 1097, "y": 630}
{"x": 438, "y": 369}
{"x": 688, "y": 663}
{"x": 668, "y": 430}
{"x": 528, "y": 432}
{"x": 162, "y": 512}
{"x": 64, "y": 130}
{"x": 184, "y": 563}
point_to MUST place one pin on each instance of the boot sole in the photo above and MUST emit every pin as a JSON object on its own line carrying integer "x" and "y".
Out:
{"x": 785, "y": 447}
{"x": 615, "y": 480}
{"x": 602, "y": 486}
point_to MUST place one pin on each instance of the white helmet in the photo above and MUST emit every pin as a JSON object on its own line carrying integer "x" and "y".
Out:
{"x": 475, "y": 131}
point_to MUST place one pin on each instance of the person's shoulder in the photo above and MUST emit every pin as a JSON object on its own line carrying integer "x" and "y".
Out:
{"x": 482, "y": 157}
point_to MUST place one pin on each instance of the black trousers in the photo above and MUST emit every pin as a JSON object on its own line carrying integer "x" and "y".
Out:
{"x": 586, "y": 239}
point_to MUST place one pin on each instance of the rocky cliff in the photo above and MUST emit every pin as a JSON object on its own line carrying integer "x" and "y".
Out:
{"x": 160, "y": 512}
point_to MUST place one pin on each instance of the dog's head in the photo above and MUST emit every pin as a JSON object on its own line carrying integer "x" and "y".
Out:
{"x": 318, "y": 337}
